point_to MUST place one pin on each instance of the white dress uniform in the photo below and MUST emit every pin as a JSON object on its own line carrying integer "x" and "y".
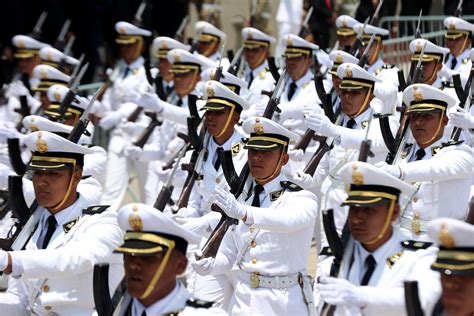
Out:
{"x": 58, "y": 279}
{"x": 209, "y": 33}
{"x": 443, "y": 174}
{"x": 381, "y": 291}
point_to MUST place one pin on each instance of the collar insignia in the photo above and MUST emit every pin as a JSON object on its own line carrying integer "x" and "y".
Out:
{"x": 69, "y": 225}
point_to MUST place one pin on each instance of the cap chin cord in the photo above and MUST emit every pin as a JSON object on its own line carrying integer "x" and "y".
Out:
{"x": 59, "y": 206}
{"x": 227, "y": 123}
{"x": 437, "y": 130}
{"x": 386, "y": 225}
{"x": 273, "y": 175}
{"x": 364, "y": 105}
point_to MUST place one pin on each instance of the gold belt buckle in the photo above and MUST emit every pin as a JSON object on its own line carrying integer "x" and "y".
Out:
{"x": 254, "y": 281}
{"x": 415, "y": 224}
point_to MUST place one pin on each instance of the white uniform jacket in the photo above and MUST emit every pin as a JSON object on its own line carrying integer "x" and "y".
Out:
{"x": 58, "y": 279}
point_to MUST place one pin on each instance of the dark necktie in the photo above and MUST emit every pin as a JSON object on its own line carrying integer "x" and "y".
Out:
{"x": 291, "y": 90}
{"x": 49, "y": 233}
{"x": 144, "y": 313}
{"x": 180, "y": 103}
{"x": 350, "y": 124}
{"x": 454, "y": 62}
{"x": 125, "y": 74}
{"x": 420, "y": 153}
{"x": 217, "y": 162}
{"x": 169, "y": 88}
{"x": 370, "y": 263}
{"x": 251, "y": 79}
{"x": 257, "y": 189}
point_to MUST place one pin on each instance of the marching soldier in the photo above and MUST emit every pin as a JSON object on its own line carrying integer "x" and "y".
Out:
{"x": 270, "y": 245}
{"x": 455, "y": 264}
{"x": 441, "y": 169}
{"x": 210, "y": 41}
{"x": 377, "y": 258}
{"x": 55, "y": 58}
{"x": 54, "y": 272}
{"x": 345, "y": 31}
{"x": 154, "y": 251}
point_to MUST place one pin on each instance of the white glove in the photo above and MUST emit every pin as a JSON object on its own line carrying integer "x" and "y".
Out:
{"x": 227, "y": 202}
{"x": 132, "y": 96}
{"x": 340, "y": 292}
{"x": 308, "y": 109}
{"x": 461, "y": 118}
{"x": 447, "y": 72}
{"x": 3, "y": 260}
{"x": 321, "y": 124}
{"x": 5, "y": 172}
{"x": 198, "y": 225}
{"x": 184, "y": 213}
{"x": 131, "y": 128}
{"x": 133, "y": 152}
{"x": 203, "y": 266}
{"x": 151, "y": 102}
{"x": 296, "y": 154}
{"x": 16, "y": 89}
{"x": 302, "y": 179}
{"x": 7, "y": 132}
{"x": 110, "y": 119}
{"x": 380, "y": 107}
{"x": 393, "y": 170}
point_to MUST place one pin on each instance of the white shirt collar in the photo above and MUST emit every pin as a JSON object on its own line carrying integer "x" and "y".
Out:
{"x": 157, "y": 308}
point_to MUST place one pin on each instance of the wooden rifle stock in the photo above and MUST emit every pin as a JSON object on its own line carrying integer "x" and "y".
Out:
{"x": 23, "y": 111}
{"x": 305, "y": 140}
{"x": 318, "y": 155}
{"x": 100, "y": 288}
{"x": 14, "y": 153}
{"x": 143, "y": 139}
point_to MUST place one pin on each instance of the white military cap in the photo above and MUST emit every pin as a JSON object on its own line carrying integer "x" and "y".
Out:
{"x": 220, "y": 98}
{"x": 149, "y": 231}
{"x": 183, "y": 61}
{"x": 38, "y": 123}
{"x": 339, "y": 57}
{"x": 229, "y": 80}
{"x": 53, "y": 152}
{"x": 456, "y": 246}
{"x": 129, "y": 33}
{"x": 457, "y": 27}
{"x": 56, "y": 94}
{"x": 208, "y": 32}
{"x": 370, "y": 186}
{"x": 355, "y": 77}
{"x": 266, "y": 134}
{"x": 26, "y": 47}
{"x": 296, "y": 46}
{"x": 254, "y": 38}
{"x": 369, "y": 30}
{"x": 163, "y": 44}
{"x": 421, "y": 97}
{"x": 49, "y": 76}
{"x": 53, "y": 57}
{"x": 345, "y": 25}
{"x": 432, "y": 51}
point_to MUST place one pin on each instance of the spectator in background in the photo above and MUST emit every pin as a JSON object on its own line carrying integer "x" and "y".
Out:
{"x": 321, "y": 21}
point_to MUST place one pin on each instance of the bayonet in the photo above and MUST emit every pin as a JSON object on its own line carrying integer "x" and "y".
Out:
{"x": 375, "y": 18}
{"x": 365, "y": 55}
{"x": 418, "y": 25}
{"x": 458, "y": 11}
{"x": 137, "y": 20}
{"x": 304, "y": 26}
{"x": 179, "y": 32}
{"x": 59, "y": 44}
{"x": 39, "y": 25}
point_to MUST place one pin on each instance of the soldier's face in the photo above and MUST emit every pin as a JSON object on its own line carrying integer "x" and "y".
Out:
{"x": 255, "y": 56}
{"x": 298, "y": 66}
{"x": 353, "y": 100}
{"x": 185, "y": 82}
{"x": 216, "y": 121}
{"x": 429, "y": 71}
{"x": 457, "y": 46}
{"x": 139, "y": 271}
{"x": 128, "y": 52}
{"x": 164, "y": 67}
{"x": 424, "y": 127}
{"x": 51, "y": 186}
{"x": 26, "y": 65}
{"x": 207, "y": 48}
{"x": 264, "y": 163}
{"x": 346, "y": 40}
{"x": 458, "y": 292}
{"x": 366, "y": 223}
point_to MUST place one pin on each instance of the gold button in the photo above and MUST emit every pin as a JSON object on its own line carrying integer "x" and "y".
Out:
{"x": 415, "y": 199}
{"x": 252, "y": 230}
{"x": 253, "y": 244}
{"x": 254, "y": 260}
{"x": 45, "y": 288}
{"x": 48, "y": 308}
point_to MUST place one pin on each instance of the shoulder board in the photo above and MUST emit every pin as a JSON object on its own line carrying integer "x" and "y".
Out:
{"x": 290, "y": 186}
{"x": 95, "y": 209}
{"x": 393, "y": 259}
{"x": 406, "y": 150}
{"x": 465, "y": 61}
{"x": 275, "y": 195}
{"x": 235, "y": 149}
{"x": 415, "y": 244}
{"x": 263, "y": 73}
{"x": 326, "y": 251}
{"x": 67, "y": 227}
{"x": 452, "y": 143}
{"x": 196, "y": 303}
{"x": 388, "y": 66}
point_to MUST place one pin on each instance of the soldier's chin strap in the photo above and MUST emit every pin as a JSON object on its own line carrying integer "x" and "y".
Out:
{"x": 170, "y": 244}
{"x": 208, "y": 51}
{"x": 375, "y": 55}
{"x": 365, "y": 105}
{"x": 386, "y": 225}
{"x": 59, "y": 206}
{"x": 227, "y": 123}
{"x": 437, "y": 129}
{"x": 277, "y": 167}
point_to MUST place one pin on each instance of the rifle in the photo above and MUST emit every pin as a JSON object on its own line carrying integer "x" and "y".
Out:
{"x": 61, "y": 40}
{"x": 66, "y": 52}
{"x": 365, "y": 56}
{"x": 167, "y": 190}
{"x": 465, "y": 100}
{"x": 412, "y": 299}
{"x": 143, "y": 139}
{"x": 71, "y": 94}
{"x": 236, "y": 60}
{"x": 304, "y": 27}
{"x": 179, "y": 32}
{"x": 458, "y": 11}
{"x": 36, "y": 33}
{"x": 138, "y": 18}
{"x": 358, "y": 42}
{"x": 24, "y": 111}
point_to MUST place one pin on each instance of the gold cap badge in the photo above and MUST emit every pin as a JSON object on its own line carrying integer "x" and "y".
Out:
{"x": 348, "y": 71}
{"x": 357, "y": 176}
{"x": 258, "y": 127}
{"x": 41, "y": 145}
{"x": 176, "y": 57}
{"x": 339, "y": 59}
{"x": 210, "y": 91}
{"x": 417, "y": 94}
{"x": 289, "y": 41}
{"x": 135, "y": 220}
{"x": 445, "y": 237}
